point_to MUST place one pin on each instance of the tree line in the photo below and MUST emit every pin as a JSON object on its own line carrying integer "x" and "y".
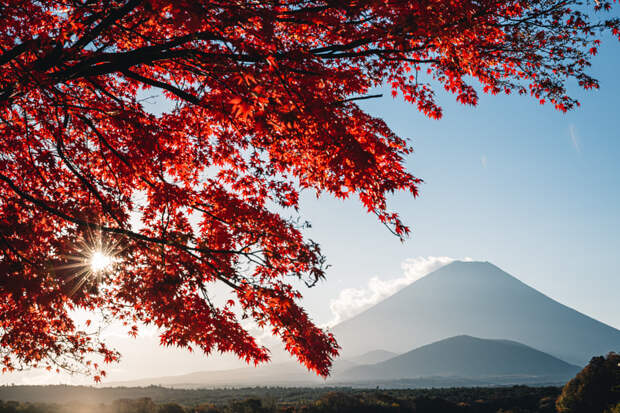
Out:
{"x": 595, "y": 389}
{"x": 520, "y": 399}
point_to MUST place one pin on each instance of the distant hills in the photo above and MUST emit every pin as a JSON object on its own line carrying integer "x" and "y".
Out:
{"x": 456, "y": 361}
{"x": 481, "y": 300}
{"x": 468, "y": 357}
{"x": 275, "y": 374}
{"x": 372, "y": 357}
{"x": 428, "y": 335}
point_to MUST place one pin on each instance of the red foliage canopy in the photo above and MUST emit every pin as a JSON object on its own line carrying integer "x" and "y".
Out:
{"x": 262, "y": 104}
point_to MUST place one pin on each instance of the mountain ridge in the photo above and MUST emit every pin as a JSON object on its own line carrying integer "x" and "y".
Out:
{"x": 454, "y": 361}
{"x": 468, "y": 357}
{"x": 481, "y": 300}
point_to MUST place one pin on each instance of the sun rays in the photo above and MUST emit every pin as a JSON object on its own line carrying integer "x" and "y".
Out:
{"x": 94, "y": 258}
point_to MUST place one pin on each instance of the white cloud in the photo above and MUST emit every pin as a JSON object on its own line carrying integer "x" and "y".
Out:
{"x": 352, "y": 301}
{"x": 483, "y": 161}
{"x": 574, "y": 137}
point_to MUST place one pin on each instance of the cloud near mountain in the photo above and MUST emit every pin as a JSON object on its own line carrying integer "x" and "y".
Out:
{"x": 352, "y": 301}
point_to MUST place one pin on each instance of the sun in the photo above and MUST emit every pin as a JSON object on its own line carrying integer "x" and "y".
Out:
{"x": 93, "y": 259}
{"x": 100, "y": 262}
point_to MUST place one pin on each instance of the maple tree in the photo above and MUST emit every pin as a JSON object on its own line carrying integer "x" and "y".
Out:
{"x": 262, "y": 103}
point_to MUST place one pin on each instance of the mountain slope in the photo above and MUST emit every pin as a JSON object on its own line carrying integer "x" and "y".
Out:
{"x": 371, "y": 357}
{"x": 272, "y": 374}
{"x": 476, "y": 299}
{"x": 467, "y": 357}
{"x": 267, "y": 375}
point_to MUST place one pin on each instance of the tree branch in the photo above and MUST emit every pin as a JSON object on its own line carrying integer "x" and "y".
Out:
{"x": 162, "y": 85}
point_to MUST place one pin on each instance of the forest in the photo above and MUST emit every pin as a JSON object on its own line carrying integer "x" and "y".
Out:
{"x": 595, "y": 389}
{"x": 522, "y": 399}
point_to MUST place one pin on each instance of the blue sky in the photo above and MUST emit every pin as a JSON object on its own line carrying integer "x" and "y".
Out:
{"x": 530, "y": 189}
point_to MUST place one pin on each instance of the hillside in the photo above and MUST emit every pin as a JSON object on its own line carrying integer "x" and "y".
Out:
{"x": 273, "y": 374}
{"x": 470, "y": 358}
{"x": 372, "y": 357}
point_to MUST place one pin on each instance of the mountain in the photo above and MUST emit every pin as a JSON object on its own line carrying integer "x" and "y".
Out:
{"x": 461, "y": 300}
{"x": 469, "y": 358}
{"x": 481, "y": 300}
{"x": 372, "y": 357}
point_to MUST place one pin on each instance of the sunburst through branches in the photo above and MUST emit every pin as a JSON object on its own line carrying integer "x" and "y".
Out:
{"x": 94, "y": 258}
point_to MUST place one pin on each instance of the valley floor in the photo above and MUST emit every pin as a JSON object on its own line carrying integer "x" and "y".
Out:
{"x": 75, "y": 399}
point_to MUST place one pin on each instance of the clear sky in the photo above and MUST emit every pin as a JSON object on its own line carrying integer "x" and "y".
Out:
{"x": 530, "y": 189}
{"x": 534, "y": 191}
